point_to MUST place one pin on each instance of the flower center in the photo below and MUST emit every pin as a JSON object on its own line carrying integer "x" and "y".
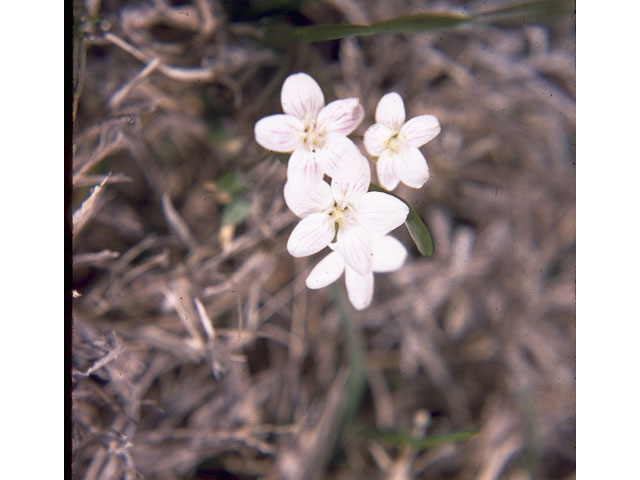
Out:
{"x": 341, "y": 215}
{"x": 394, "y": 144}
{"x": 313, "y": 136}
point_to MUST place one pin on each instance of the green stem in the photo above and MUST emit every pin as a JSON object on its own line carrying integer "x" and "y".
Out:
{"x": 355, "y": 386}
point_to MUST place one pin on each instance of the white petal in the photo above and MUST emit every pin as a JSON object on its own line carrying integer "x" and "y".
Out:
{"x": 341, "y": 116}
{"x": 388, "y": 253}
{"x": 412, "y": 168}
{"x": 312, "y": 234}
{"x": 327, "y": 271}
{"x": 354, "y": 245}
{"x": 380, "y": 212}
{"x": 305, "y": 201}
{"x": 420, "y": 130}
{"x": 386, "y": 168}
{"x": 359, "y": 288}
{"x": 341, "y": 157}
{"x": 351, "y": 183}
{"x": 390, "y": 111}
{"x": 301, "y": 96}
{"x": 303, "y": 168}
{"x": 375, "y": 138}
{"x": 279, "y": 133}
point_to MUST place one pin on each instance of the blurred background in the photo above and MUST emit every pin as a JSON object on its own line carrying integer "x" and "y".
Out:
{"x": 197, "y": 350}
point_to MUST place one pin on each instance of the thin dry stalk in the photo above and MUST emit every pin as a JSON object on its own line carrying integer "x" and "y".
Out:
{"x": 88, "y": 208}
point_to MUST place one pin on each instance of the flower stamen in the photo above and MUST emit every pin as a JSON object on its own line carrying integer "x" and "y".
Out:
{"x": 393, "y": 144}
{"x": 312, "y": 136}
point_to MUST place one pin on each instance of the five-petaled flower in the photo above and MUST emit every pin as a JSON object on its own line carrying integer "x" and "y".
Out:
{"x": 388, "y": 255}
{"x": 396, "y": 143}
{"x": 315, "y": 134}
{"x": 346, "y": 212}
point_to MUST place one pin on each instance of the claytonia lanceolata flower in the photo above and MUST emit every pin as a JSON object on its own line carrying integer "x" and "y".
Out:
{"x": 315, "y": 134}
{"x": 396, "y": 143}
{"x": 388, "y": 255}
{"x": 344, "y": 212}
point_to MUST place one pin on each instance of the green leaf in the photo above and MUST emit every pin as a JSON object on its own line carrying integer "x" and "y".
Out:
{"x": 527, "y": 12}
{"x": 235, "y": 212}
{"x": 419, "y": 233}
{"x": 232, "y": 182}
{"x": 417, "y": 229}
{"x": 404, "y": 438}
{"x": 422, "y": 22}
{"x": 411, "y": 23}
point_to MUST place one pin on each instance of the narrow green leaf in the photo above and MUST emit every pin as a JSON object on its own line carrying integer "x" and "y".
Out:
{"x": 419, "y": 22}
{"x": 417, "y": 229}
{"x": 411, "y": 23}
{"x": 527, "y": 11}
{"x": 235, "y": 212}
{"x": 404, "y": 438}
{"x": 422, "y": 22}
{"x": 419, "y": 233}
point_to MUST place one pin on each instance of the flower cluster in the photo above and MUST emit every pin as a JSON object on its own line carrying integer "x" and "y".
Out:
{"x": 343, "y": 214}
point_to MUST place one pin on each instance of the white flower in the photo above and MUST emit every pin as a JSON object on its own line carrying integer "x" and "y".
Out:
{"x": 315, "y": 133}
{"x": 396, "y": 143}
{"x": 344, "y": 211}
{"x": 388, "y": 255}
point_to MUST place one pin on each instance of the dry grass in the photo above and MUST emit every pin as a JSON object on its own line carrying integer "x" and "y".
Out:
{"x": 198, "y": 352}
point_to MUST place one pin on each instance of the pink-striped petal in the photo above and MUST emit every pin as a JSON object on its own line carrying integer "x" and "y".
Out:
{"x": 351, "y": 183}
{"x": 301, "y": 96}
{"x": 412, "y": 168}
{"x": 312, "y": 234}
{"x": 341, "y": 116}
{"x": 305, "y": 201}
{"x": 389, "y": 253}
{"x": 338, "y": 153}
{"x": 386, "y": 169}
{"x": 390, "y": 111}
{"x": 376, "y": 138}
{"x": 279, "y": 133}
{"x": 359, "y": 288}
{"x": 327, "y": 271}
{"x": 420, "y": 130}
{"x": 355, "y": 247}
{"x": 303, "y": 168}
{"x": 340, "y": 157}
{"x": 380, "y": 212}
